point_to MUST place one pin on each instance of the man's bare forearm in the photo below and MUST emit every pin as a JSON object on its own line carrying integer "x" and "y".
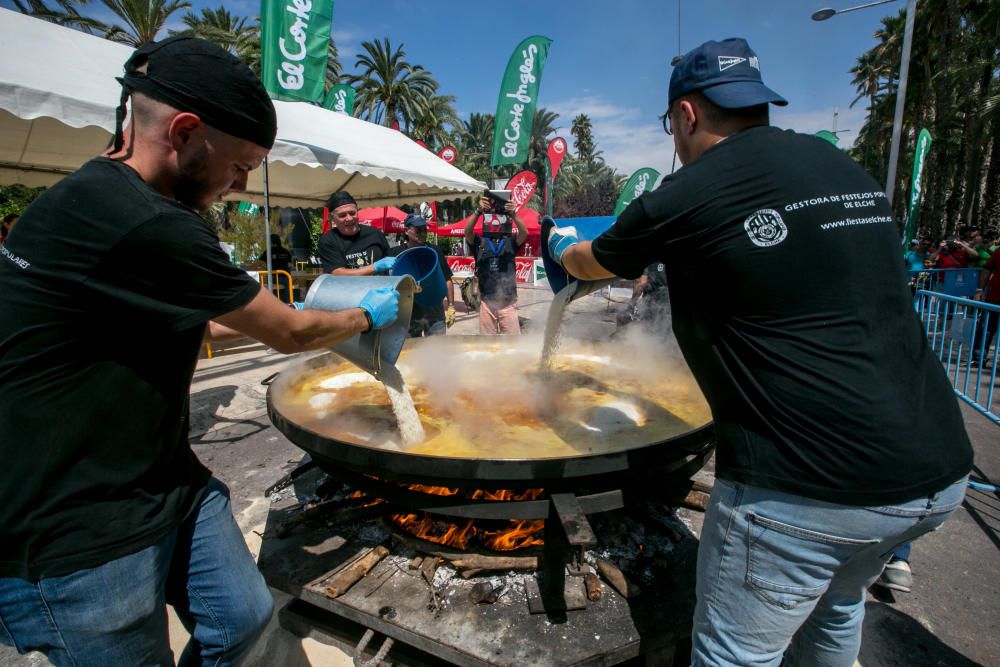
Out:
{"x": 579, "y": 262}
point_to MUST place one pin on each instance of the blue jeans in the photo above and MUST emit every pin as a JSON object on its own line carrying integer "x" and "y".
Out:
{"x": 115, "y": 614}
{"x": 774, "y": 566}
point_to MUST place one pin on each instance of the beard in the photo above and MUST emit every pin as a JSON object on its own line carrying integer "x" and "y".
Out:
{"x": 193, "y": 187}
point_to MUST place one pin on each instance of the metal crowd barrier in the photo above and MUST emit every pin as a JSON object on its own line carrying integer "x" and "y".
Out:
{"x": 953, "y": 282}
{"x": 963, "y": 334}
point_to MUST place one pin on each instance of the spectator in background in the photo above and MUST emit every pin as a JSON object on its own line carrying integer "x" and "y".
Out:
{"x": 281, "y": 258}
{"x": 496, "y": 271}
{"x": 989, "y": 292}
{"x": 8, "y": 224}
{"x": 950, "y": 255}
{"x": 350, "y": 248}
{"x": 434, "y": 320}
{"x": 920, "y": 252}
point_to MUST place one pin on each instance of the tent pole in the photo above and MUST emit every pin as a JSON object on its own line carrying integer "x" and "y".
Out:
{"x": 267, "y": 231}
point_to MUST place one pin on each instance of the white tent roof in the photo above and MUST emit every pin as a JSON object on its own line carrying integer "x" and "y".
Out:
{"x": 57, "y": 110}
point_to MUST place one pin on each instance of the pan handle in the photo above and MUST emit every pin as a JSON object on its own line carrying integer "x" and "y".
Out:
{"x": 269, "y": 379}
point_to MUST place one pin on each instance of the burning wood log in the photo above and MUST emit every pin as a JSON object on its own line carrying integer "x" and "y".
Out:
{"x": 349, "y": 575}
{"x": 616, "y": 578}
{"x": 466, "y": 561}
{"x": 428, "y": 569}
{"x": 593, "y": 586}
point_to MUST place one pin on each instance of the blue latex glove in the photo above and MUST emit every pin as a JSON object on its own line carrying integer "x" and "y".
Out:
{"x": 384, "y": 265}
{"x": 382, "y": 305}
{"x": 560, "y": 240}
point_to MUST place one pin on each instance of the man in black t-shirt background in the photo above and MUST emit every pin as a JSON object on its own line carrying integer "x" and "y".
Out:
{"x": 838, "y": 434}
{"x": 434, "y": 320}
{"x": 496, "y": 271}
{"x": 106, "y": 514}
{"x": 350, "y": 248}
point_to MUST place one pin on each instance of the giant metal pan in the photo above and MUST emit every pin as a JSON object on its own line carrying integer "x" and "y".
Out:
{"x": 333, "y": 455}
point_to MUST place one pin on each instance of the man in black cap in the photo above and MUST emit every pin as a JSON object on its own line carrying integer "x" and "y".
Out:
{"x": 350, "y": 248}
{"x": 434, "y": 320}
{"x": 838, "y": 434}
{"x": 110, "y": 286}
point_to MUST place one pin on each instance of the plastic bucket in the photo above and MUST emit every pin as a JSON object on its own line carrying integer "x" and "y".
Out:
{"x": 375, "y": 350}
{"x": 587, "y": 229}
{"x": 423, "y": 265}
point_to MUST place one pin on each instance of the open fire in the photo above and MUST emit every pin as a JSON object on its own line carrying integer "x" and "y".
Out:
{"x": 497, "y": 535}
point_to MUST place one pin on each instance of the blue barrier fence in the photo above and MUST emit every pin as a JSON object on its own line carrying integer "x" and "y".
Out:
{"x": 953, "y": 282}
{"x": 962, "y": 333}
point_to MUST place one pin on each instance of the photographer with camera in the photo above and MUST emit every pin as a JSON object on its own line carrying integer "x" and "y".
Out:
{"x": 495, "y": 267}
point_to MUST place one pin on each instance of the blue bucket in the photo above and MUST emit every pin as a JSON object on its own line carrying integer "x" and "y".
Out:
{"x": 422, "y": 263}
{"x": 587, "y": 229}
{"x": 375, "y": 350}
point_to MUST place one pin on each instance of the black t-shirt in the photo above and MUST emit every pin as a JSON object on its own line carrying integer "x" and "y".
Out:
{"x": 496, "y": 269}
{"x": 337, "y": 251}
{"x": 107, "y": 287}
{"x": 791, "y": 307}
{"x": 433, "y": 313}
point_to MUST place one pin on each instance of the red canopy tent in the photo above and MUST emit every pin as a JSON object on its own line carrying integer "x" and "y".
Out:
{"x": 531, "y": 247}
{"x": 387, "y": 219}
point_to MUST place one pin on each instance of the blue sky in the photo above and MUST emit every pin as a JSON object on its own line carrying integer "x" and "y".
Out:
{"x": 611, "y": 59}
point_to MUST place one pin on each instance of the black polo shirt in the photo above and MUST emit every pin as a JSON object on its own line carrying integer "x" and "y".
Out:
{"x": 337, "y": 251}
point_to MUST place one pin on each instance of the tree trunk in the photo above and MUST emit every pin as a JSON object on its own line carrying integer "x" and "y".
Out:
{"x": 991, "y": 200}
{"x": 975, "y": 147}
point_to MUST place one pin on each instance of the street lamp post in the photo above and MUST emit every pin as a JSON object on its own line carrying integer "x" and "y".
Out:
{"x": 904, "y": 71}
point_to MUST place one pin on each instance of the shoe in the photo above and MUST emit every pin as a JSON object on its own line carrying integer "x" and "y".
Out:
{"x": 896, "y": 576}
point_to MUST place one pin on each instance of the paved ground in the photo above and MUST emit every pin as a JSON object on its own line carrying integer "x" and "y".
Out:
{"x": 950, "y": 618}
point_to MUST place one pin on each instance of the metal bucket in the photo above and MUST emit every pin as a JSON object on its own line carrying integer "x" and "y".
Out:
{"x": 587, "y": 229}
{"x": 422, "y": 263}
{"x": 375, "y": 350}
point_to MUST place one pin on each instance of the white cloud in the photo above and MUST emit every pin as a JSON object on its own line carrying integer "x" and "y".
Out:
{"x": 627, "y": 140}
{"x": 849, "y": 122}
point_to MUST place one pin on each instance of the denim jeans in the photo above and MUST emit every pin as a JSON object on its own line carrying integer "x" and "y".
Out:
{"x": 115, "y": 615}
{"x": 774, "y": 566}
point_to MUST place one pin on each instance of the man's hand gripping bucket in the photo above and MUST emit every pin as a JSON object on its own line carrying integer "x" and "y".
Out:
{"x": 375, "y": 350}
{"x": 585, "y": 229}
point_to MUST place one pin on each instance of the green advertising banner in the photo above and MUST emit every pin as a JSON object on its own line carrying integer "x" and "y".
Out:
{"x": 294, "y": 37}
{"x": 641, "y": 181}
{"x": 340, "y": 98}
{"x": 517, "y": 101}
{"x": 916, "y": 188}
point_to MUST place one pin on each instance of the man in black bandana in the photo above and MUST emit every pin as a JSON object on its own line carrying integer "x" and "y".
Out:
{"x": 350, "y": 248}
{"x": 111, "y": 284}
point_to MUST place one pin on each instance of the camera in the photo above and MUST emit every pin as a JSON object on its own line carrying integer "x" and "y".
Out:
{"x": 496, "y": 222}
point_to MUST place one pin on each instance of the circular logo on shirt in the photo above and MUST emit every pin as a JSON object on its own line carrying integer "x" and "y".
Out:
{"x": 766, "y": 228}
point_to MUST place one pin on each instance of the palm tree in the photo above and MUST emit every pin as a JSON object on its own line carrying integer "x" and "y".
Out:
{"x": 144, "y": 19}
{"x": 65, "y": 15}
{"x": 229, "y": 31}
{"x": 429, "y": 125}
{"x": 390, "y": 89}
{"x": 583, "y": 137}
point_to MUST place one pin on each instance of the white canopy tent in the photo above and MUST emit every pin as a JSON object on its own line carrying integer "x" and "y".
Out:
{"x": 57, "y": 110}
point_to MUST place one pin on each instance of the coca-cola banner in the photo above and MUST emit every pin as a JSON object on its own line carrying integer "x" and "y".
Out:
{"x": 557, "y": 151}
{"x": 463, "y": 267}
{"x": 522, "y": 185}
{"x": 448, "y": 154}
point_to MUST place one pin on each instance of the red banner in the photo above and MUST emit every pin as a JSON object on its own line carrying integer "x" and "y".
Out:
{"x": 448, "y": 154}
{"x": 462, "y": 267}
{"x": 557, "y": 151}
{"x": 522, "y": 185}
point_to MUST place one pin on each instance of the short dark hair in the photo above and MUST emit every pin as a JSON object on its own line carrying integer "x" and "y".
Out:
{"x": 716, "y": 115}
{"x": 11, "y": 217}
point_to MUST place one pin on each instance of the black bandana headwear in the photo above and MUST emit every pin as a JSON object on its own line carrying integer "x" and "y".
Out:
{"x": 338, "y": 199}
{"x": 196, "y": 76}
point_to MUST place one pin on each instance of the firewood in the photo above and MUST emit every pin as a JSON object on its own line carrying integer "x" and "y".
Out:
{"x": 346, "y": 577}
{"x": 701, "y": 486}
{"x": 616, "y": 578}
{"x": 695, "y": 500}
{"x": 593, "y": 585}
{"x": 481, "y": 562}
{"x": 416, "y": 562}
{"x": 428, "y": 569}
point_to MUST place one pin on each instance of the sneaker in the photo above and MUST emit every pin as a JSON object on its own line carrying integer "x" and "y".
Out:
{"x": 896, "y": 576}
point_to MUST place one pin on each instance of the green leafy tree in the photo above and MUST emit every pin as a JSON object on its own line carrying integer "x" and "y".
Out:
{"x": 390, "y": 89}
{"x": 65, "y": 13}
{"x": 436, "y": 121}
{"x": 144, "y": 19}
{"x": 15, "y": 198}
{"x": 583, "y": 137}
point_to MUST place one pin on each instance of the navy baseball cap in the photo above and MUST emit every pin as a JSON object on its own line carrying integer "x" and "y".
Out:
{"x": 726, "y": 72}
{"x": 414, "y": 220}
